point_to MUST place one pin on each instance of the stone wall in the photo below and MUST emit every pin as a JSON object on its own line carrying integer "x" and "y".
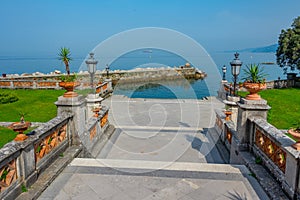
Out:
{"x": 126, "y": 76}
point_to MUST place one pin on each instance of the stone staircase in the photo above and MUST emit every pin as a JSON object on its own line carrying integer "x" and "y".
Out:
{"x": 132, "y": 179}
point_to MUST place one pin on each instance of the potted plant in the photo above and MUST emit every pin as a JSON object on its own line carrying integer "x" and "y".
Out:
{"x": 68, "y": 81}
{"x": 241, "y": 84}
{"x": 20, "y": 127}
{"x": 227, "y": 112}
{"x": 295, "y": 132}
{"x": 254, "y": 81}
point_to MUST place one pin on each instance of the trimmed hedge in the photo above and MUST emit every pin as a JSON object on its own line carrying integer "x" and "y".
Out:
{"x": 8, "y": 98}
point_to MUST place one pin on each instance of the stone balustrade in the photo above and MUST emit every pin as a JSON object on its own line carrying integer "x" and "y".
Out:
{"x": 22, "y": 162}
{"x": 273, "y": 146}
{"x": 268, "y": 144}
{"x": 95, "y": 130}
{"x": 29, "y": 84}
{"x": 104, "y": 88}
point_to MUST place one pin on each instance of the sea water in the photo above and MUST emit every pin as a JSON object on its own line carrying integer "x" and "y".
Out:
{"x": 141, "y": 59}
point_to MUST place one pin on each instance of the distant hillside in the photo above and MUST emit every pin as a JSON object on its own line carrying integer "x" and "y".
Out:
{"x": 266, "y": 49}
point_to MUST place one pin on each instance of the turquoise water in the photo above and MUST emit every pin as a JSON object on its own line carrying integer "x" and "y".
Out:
{"x": 141, "y": 59}
{"x": 182, "y": 89}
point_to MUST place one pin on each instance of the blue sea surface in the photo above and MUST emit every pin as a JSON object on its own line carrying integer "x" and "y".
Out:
{"x": 180, "y": 89}
{"x": 146, "y": 58}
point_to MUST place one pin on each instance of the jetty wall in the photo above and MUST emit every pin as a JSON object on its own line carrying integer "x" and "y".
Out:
{"x": 29, "y": 81}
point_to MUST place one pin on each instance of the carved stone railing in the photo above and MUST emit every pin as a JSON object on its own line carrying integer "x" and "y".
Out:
{"x": 93, "y": 132}
{"x": 228, "y": 134}
{"x": 225, "y": 129}
{"x": 95, "y": 129}
{"x": 274, "y": 149}
{"x": 47, "y": 144}
{"x": 22, "y": 162}
{"x": 104, "y": 120}
{"x": 8, "y": 175}
{"x": 102, "y": 88}
{"x": 30, "y": 84}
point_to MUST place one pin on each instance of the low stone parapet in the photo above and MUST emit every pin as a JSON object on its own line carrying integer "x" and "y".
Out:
{"x": 22, "y": 162}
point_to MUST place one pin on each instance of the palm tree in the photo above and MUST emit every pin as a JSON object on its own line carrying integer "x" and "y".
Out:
{"x": 65, "y": 56}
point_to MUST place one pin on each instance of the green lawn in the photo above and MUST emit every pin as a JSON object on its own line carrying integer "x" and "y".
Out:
{"x": 285, "y": 105}
{"x": 38, "y": 105}
{"x": 6, "y": 135}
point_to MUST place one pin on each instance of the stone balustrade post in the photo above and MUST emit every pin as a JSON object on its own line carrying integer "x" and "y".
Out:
{"x": 92, "y": 100}
{"x": 109, "y": 85}
{"x": 77, "y": 106}
{"x": 221, "y": 92}
{"x": 246, "y": 109}
{"x": 232, "y": 103}
{"x": 27, "y": 163}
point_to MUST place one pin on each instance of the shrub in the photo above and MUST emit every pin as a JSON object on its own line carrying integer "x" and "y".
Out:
{"x": 8, "y": 98}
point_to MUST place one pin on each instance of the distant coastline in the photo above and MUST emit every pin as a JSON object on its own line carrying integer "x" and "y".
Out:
{"x": 265, "y": 49}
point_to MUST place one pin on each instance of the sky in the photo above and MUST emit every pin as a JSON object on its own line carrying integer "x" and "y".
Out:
{"x": 35, "y": 27}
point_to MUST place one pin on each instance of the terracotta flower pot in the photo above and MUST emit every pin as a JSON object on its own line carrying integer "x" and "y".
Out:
{"x": 296, "y": 134}
{"x": 20, "y": 128}
{"x": 227, "y": 113}
{"x": 69, "y": 86}
{"x": 96, "y": 111}
{"x": 254, "y": 88}
{"x": 226, "y": 88}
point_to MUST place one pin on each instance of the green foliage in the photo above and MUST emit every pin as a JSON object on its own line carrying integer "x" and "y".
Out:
{"x": 38, "y": 149}
{"x": 252, "y": 174}
{"x": 24, "y": 189}
{"x": 296, "y": 125}
{"x": 254, "y": 74}
{"x": 68, "y": 78}
{"x": 227, "y": 108}
{"x": 3, "y": 175}
{"x": 65, "y": 56}
{"x": 258, "y": 160}
{"x": 288, "y": 51}
{"x": 8, "y": 98}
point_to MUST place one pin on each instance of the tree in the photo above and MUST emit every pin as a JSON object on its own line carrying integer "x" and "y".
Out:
{"x": 65, "y": 56}
{"x": 288, "y": 51}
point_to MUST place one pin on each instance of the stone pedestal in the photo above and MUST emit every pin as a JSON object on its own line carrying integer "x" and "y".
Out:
{"x": 222, "y": 93}
{"x": 92, "y": 100}
{"x": 77, "y": 106}
{"x": 246, "y": 109}
{"x": 232, "y": 103}
{"x": 109, "y": 84}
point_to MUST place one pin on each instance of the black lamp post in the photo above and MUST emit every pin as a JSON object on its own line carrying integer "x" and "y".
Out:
{"x": 235, "y": 70}
{"x": 91, "y": 65}
{"x": 224, "y": 69}
{"x": 107, "y": 71}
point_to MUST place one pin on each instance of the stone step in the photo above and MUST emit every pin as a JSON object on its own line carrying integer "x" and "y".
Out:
{"x": 159, "y": 165}
{"x": 160, "y": 169}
